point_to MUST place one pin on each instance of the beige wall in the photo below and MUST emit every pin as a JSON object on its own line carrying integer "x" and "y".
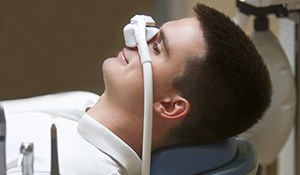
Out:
{"x": 59, "y": 45}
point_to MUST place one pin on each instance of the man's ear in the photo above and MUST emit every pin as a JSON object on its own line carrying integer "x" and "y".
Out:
{"x": 172, "y": 107}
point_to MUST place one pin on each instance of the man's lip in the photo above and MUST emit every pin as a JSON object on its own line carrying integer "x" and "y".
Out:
{"x": 122, "y": 56}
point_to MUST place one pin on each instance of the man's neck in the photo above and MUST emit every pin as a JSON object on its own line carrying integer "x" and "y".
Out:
{"x": 123, "y": 123}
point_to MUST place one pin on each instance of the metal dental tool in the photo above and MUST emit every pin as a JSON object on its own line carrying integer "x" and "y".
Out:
{"x": 2, "y": 142}
{"x": 54, "y": 153}
{"x": 26, "y": 158}
{"x": 137, "y": 33}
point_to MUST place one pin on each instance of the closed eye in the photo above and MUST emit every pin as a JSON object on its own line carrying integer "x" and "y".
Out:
{"x": 156, "y": 48}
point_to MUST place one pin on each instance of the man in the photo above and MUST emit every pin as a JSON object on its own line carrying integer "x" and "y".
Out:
{"x": 209, "y": 84}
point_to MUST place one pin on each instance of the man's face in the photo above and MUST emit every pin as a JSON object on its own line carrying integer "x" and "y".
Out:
{"x": 123, "y": 75}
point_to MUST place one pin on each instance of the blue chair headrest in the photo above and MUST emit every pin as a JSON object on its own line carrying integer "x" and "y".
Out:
{"x": 244, "y": 162}
{"x": 192, "y": 159}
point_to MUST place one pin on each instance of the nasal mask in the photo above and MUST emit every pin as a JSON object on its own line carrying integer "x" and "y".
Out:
{"x": 137, "y": 33}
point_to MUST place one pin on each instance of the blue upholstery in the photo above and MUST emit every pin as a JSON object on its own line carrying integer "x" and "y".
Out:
{"x": 245, "y": 161}
{"x": 230, "y": 157}
{"x": 192, "y": 159}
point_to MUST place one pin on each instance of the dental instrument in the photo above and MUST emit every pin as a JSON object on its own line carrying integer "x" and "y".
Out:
{"x": 54, "y": 154}
{"x": 26, "y": 158}
{"x": 2, "y": 142}
{"x": 137, "y": 33}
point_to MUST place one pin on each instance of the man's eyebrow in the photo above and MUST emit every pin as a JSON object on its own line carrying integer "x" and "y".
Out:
{"x": 165, "y": 42}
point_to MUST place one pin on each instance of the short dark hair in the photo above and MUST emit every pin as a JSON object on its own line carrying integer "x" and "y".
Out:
{"x": 229, "y": 88}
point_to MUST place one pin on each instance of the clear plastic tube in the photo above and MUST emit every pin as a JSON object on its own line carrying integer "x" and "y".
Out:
{"x": 148, "y": 94}
{"x": 136, "y": 34}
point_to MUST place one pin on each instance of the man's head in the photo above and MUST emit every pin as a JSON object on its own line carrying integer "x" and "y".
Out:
{"x": 209, "y": 81}
{"x": 123, "y": 75}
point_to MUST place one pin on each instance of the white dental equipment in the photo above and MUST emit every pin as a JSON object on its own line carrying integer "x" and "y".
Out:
{"x": 2, "y": 142}
{"x": 279, "y": 120}
{"x": 136, "y": 34}
{"x": 26, "y": 158}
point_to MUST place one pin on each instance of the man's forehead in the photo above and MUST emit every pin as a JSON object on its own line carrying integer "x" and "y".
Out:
{"x": 189, "y": 19}
{"x": 185, "y": 32}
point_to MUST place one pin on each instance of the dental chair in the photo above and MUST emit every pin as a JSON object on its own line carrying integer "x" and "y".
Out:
{"x": 234, "y": 156}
